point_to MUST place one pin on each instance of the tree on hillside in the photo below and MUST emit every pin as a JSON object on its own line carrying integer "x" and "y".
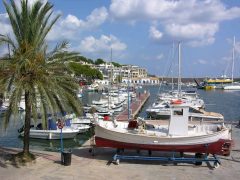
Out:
{"x": 41, "y": 76}
{"x": 99, "y": 61}
{"x": 116, "y": 64}
{"x": 81, "y": 58}
{"x": 90, "y": 61}
{"x": 85, "y": 71}
{"x": 84, "y": 59}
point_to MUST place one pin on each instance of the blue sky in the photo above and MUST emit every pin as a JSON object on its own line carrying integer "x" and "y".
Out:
{"x": 142, "y": 32}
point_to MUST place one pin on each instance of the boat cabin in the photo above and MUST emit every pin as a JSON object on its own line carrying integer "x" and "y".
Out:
{"x": 178, "y": 124}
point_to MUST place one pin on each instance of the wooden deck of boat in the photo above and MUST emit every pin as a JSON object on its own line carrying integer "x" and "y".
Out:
{"x": 135, "y": 107}
{"x": 166, "y": 121}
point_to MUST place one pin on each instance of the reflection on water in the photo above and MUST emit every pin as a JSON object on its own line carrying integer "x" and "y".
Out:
{"x": 54, "y": 145}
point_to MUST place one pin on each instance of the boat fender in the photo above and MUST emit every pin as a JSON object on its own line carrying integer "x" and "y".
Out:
{"x": 106, "y": 118}
{"x": 178, "y": 101}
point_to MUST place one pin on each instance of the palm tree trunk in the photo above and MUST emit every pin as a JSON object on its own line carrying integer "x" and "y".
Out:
{"x": 27, "y": 124}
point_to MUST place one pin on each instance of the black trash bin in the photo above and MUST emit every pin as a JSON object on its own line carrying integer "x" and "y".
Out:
{"x": 66, "y": 158}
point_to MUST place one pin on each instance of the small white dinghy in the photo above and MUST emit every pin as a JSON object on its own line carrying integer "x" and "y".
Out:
{"x": 52, "y": 133}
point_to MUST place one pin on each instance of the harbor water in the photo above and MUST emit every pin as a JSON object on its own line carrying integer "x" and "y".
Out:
{"x": 224, "y": 102}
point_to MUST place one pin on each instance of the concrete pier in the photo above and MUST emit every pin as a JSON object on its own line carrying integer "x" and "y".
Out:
{"x": 85, "y": 166}
{"x": 135, "y": 107}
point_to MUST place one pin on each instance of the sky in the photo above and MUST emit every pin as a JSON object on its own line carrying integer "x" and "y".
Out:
{"x": 146, "y": 33}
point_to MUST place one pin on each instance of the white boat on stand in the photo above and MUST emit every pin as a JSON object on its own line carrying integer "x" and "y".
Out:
{"x": 179, "y": 135}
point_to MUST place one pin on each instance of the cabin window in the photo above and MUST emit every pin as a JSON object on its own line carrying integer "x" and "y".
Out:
{"x": 178, "y": 112}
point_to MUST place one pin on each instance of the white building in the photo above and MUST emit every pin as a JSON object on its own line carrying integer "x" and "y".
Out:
{"x": 139, "y": 80}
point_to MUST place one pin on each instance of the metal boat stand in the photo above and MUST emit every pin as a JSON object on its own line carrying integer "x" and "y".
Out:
{"x": 197, "y": 160}
{"x": 92, "y": 148}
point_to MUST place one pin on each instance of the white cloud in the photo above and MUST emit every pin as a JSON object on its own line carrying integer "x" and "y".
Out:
{"x": 190, "y": 31}
{"x": 97, "y": 17}
{"x": 154, "y": 33}
{"x": 92, "y": 45}
{"x": 194, "y": 21}
{"x": 70, "y": 26}
{"x": 202, "y": 42}
{"x": 201, "y": 61}
{"x": 173, "y": 11}
{"x": 160, "y": 56}
{"x": 6, "y": 28}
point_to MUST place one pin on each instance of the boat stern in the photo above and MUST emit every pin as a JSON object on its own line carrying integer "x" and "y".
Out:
{"x": 227, "y": 147}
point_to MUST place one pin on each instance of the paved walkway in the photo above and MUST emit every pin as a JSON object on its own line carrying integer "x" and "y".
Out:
{"x": 85, "y": 166}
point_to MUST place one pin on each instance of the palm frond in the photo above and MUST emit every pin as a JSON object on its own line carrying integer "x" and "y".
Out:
{"x": 44, "y": 76}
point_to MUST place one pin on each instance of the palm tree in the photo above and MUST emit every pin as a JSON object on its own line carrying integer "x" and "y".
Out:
{"x": 42, "y": 77}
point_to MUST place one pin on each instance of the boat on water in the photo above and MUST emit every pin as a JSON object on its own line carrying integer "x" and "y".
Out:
{"x": 214, "y": 83}
{"x": 194, "y": 114}
{"x": 3, "y": 110}
{"x": 52, "y": 133}
{"x": 82, "y": 128}
{"x": 161, "y": 108}
{"x": 67, "y": 133}
{"x": 80, "y": 123}
{"x": 233, "y": 85}
{"x": 180, "y": 135}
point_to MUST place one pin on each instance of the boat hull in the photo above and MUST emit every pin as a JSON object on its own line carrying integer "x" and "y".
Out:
{"x": 211, "y": 148}
{"x": 216, "y": 143}
{"x": 50, "y": 134}
{"x": 236, "y": 87}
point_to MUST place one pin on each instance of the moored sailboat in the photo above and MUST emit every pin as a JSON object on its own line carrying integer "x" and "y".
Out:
{"x": 232, "y": 86}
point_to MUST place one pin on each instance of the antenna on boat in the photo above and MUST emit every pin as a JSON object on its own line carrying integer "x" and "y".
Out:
{"x": 179, "y": 70}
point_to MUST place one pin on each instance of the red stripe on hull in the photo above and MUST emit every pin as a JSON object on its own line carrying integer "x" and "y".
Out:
{"x": 221, "y": 147}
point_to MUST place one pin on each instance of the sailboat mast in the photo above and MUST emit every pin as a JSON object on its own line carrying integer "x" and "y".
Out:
{"x": 173, "y": 52}
{"x": 111, "y": 68}
{"x": 110, "y": 81}
{"x": 179, "y": 70}
{"x": 233, "y": 56}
